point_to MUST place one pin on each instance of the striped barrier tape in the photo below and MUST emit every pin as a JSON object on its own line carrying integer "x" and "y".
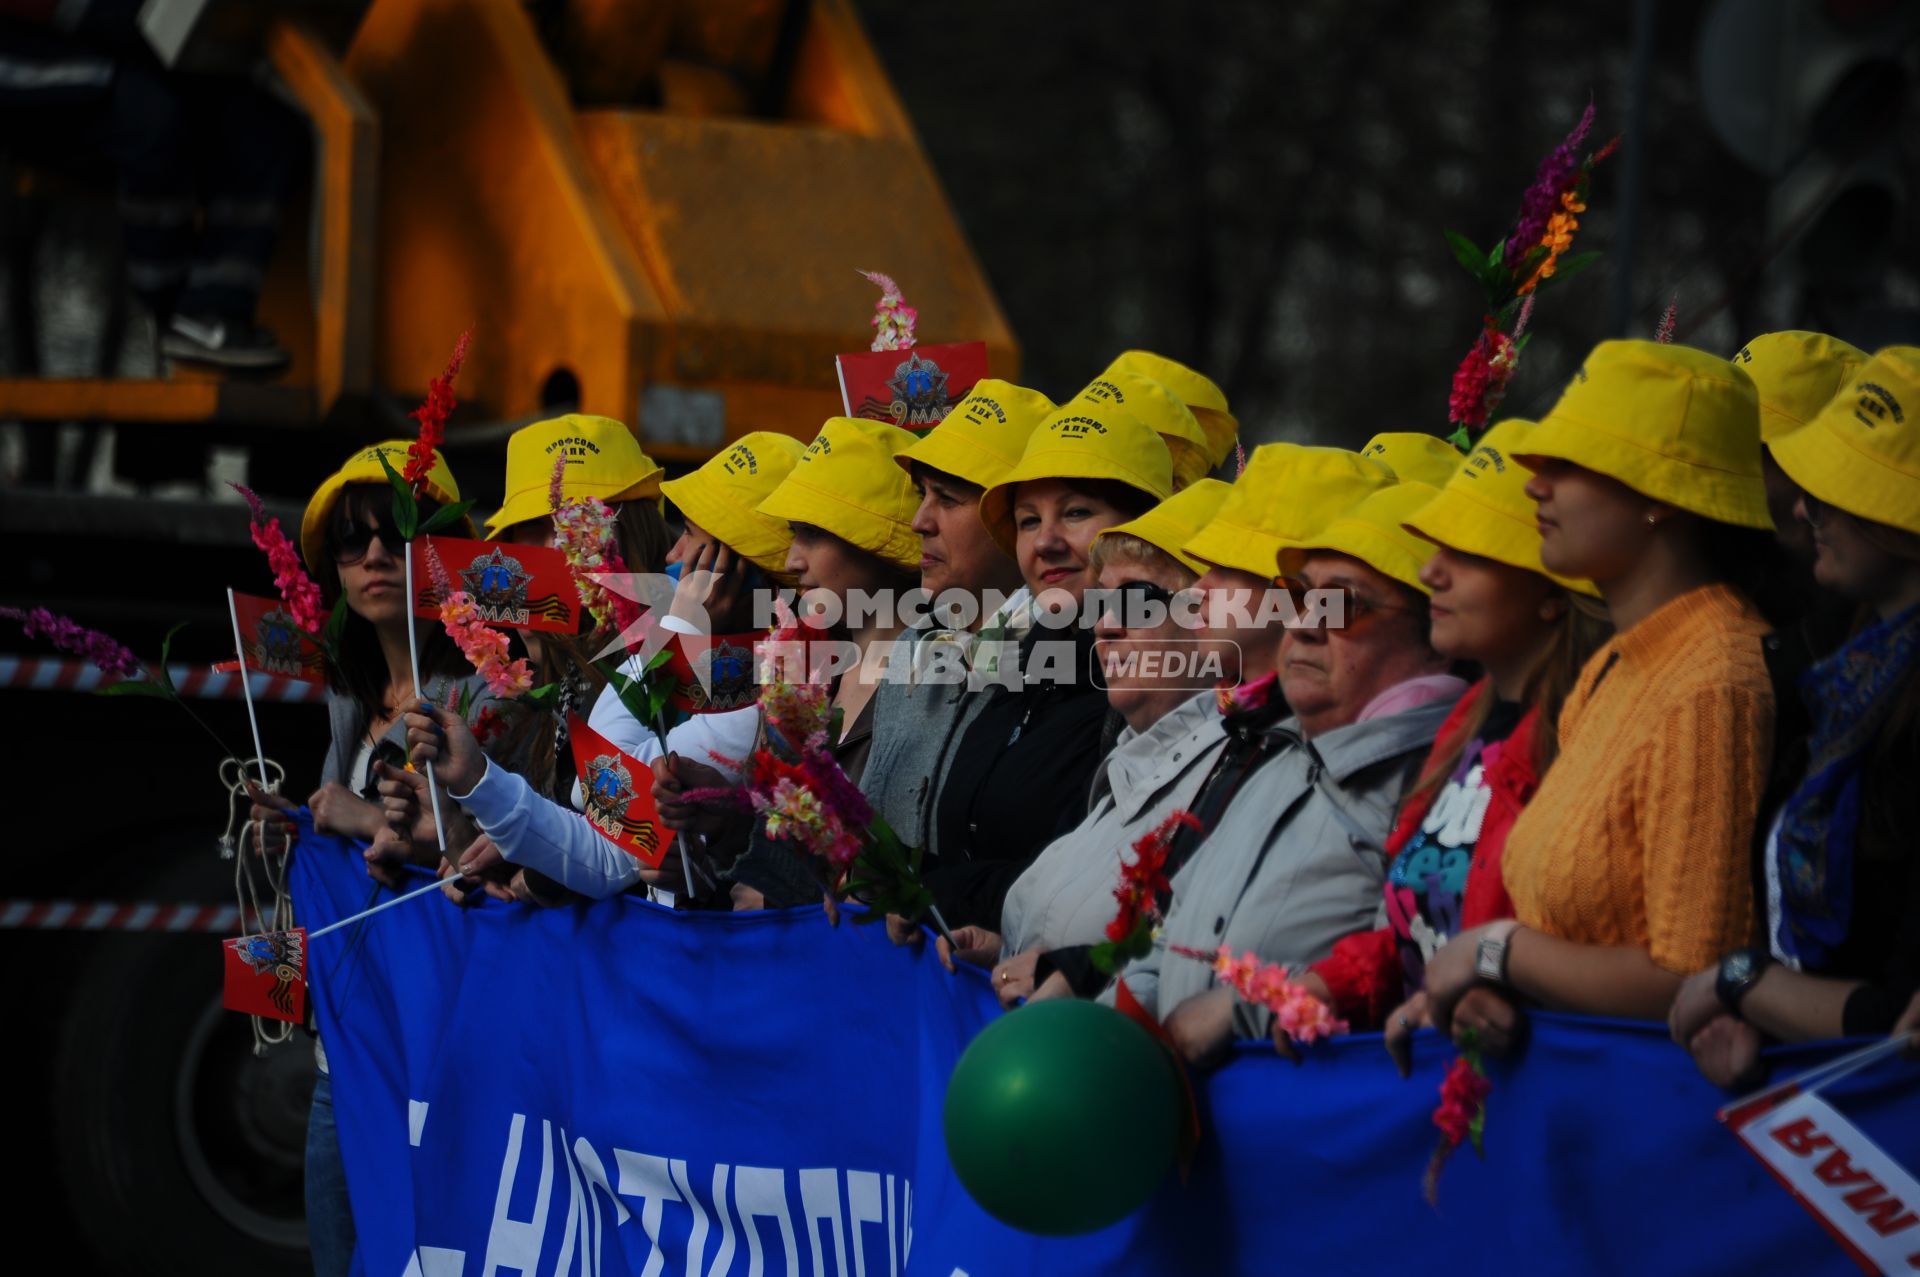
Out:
{"x": 61, "y": 674}
{"x": 118, "y": 915}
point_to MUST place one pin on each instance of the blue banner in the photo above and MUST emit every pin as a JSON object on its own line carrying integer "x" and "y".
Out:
{"x": 620, "y": 1089}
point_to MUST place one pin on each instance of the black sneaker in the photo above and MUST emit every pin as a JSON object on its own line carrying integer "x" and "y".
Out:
{"x": 233, "y": 344}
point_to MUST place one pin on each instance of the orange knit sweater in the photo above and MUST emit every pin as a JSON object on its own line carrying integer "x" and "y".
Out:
{"x": 1639, "y": 834}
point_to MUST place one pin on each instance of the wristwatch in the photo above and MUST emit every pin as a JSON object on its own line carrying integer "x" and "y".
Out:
{"x": 1739, "y": 972}
{"x": 1490, "y": 961}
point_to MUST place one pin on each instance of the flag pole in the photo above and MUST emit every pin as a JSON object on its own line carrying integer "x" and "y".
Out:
{"x": 413, "y": 657}
{"x": 246, "y": 689}
{"x": 384, "y": 904}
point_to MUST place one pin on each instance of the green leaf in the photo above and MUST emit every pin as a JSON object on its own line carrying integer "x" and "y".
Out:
{"x": 1497, "y": 254}
{"x": 406, "y": 507}
{"x": 446, "y": 516}
{"x": 1567, "y": 267}
{"x": 538, "y": 698}
{"x": 166, "y": 650}
{"x": 658, "y": 659}
{"x": 137, "y": 687}
{"x": 1467, "y": 253}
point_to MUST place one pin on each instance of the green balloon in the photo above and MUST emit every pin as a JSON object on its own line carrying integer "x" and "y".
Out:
{"x": 1062, "y": 1117}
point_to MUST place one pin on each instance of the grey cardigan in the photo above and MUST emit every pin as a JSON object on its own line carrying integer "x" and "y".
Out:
{"x": 1296, "y": 862}
{"x": 916, "y": 727}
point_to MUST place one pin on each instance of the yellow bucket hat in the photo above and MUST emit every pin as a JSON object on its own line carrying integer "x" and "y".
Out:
{"x": 984, "y": 435}
{"x": 1203, "y": 398}
{"x": 1288, "y": 489}
{"x": 1796, "y": 373}
{"x": 1484, "y": 508}
{"x": 364, "y": 467}
{"x": 1671, "y": 422}
{"x": 603, "y": 460}
{"x": 1082, "y": 441}
{"x": 1861, "y": 453}
{"x": 1412, "y": 455}
{"x": 846, "y": 483}
{"x": 724, "y": 494}
{"x": 1161, "y": 411}
{"x": 1374, "y": 532}
{"x": 1174, "y": 522}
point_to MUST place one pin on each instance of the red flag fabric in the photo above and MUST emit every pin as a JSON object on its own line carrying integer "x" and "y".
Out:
{"x": 728, "y": 662}
{"x": 522, "y": 587}
{"x": 914, "y": 388}
{"x": 619, "y": 792}
{"x": 273, "y": 643}
{"x": 267, "y": 975}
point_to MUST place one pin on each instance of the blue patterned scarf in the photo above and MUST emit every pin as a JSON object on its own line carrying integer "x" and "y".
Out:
{"x": 1850, "y": 694}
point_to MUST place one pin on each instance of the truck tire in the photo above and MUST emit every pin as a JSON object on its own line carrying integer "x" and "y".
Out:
{"x": 166, "y": 1123}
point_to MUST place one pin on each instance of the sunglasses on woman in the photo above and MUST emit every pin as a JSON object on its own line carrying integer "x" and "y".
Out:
{"x": 351, "y": 543}
{"x": 1330, "y": 601}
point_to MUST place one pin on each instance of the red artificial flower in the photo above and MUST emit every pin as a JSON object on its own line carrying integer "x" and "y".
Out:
{"x": 1460, "y": 1116}
{"x": 1144, "y": 879}
{"x": 432, "y": 416}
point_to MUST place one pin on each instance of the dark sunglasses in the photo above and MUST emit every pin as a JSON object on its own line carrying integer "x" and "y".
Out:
{"x": 1139, "y": 604}
{"x": 351, "y": 543}
{"x": 1356, "y": 608}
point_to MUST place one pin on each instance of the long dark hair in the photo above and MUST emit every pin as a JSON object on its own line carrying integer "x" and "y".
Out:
{"x": 361, "y": 670}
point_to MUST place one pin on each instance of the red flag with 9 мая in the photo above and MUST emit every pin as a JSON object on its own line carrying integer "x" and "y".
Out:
{"x": 271, "y": 641}
{"x": 914, "y": 389}
{"x": 267, "y": 975}
{"x": 619, "y": 793}
{"x": 523, "y": 587}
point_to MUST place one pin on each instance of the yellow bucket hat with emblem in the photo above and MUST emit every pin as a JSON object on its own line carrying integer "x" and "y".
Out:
{"x": 1082, "y": 441}
{"x": 1484, "y": 508}
{"x": 603, "y": 460}
{"x": 364, "y": 467}
{"x": 1412, "y": 455}
{"x": 1161, "y": 411}
{"x": 1861, "y": 453}
{"x": 1795, "y": 374}
{"x": 1287, "y": 490}
{"x": 1673, "y": 423}
{"x": 984, "y": 435}
{"x": 1203, "y": 398}
{"x": 1177, "y": 520}
{"x": 723, "y": 496}
{"x": 846, "y": 483}
{"x": 1374, "y": 532}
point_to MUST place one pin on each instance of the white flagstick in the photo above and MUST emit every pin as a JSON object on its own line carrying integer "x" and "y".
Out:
{"x": 435, "y": 885}
{"x": 1821, "y": 1075}
{"x": 246, "y": 688}
{"x": 413, "y": 655}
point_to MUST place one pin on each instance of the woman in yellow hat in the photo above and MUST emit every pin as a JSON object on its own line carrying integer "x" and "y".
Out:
{"x": 1842, "y": 875}
{"x": 854, "y": 558}
{"x": 349, "y": 543}
{"x": 1494, "y": 604}
{"x": 1019, "y": 775}
{"x": 975, "y": 593}
{"x": 1629, "y": 868}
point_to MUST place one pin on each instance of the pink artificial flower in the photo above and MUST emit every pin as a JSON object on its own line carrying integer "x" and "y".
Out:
{"x": 301, "y": 595}
{"x": 893, "y": 319}
{"x": 586, "y": 531}
{"x": 484, "y": 646}
{"x": 1664, "y": 333}
{"x": 1304, "y": 1017}
{"x": 67, "y": 635}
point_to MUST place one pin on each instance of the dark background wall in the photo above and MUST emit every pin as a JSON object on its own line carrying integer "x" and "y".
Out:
{"x": 1259, "y": 189}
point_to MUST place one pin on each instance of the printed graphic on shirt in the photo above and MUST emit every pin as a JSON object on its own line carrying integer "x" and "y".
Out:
{"x": 1427, "y": 881}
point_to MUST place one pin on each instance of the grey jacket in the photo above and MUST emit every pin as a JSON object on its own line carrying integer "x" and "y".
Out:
{"x": 1065, "y": 897}
{"x": 1296, "y": 862}
{"x": 349, "y": 724}
{"x": 916, "y": 727}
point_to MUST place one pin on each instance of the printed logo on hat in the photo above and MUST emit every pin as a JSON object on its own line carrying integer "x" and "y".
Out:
{"x": 821, "y": 446}
{"x": 1104, "y": 392}
{"x": 1879, "y": 401}
{"x": 1078, "y": 427}
{"x": 1485, "y": 458}
{"x": 979, "y": 408}
{"x": 1744, "y": 355}
{"x": 740, "y": 458}
{"x": 1373, "y": 450}
{"x": 576, "y": 447}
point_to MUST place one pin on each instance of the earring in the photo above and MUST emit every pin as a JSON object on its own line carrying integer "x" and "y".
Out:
{"x": 1653, "y": 520}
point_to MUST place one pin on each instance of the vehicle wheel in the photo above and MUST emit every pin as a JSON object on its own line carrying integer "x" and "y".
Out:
{"x": 166, "y": 1122}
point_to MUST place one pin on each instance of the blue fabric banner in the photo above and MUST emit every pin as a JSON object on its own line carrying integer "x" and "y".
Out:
{"x": 620, "y": 1089}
